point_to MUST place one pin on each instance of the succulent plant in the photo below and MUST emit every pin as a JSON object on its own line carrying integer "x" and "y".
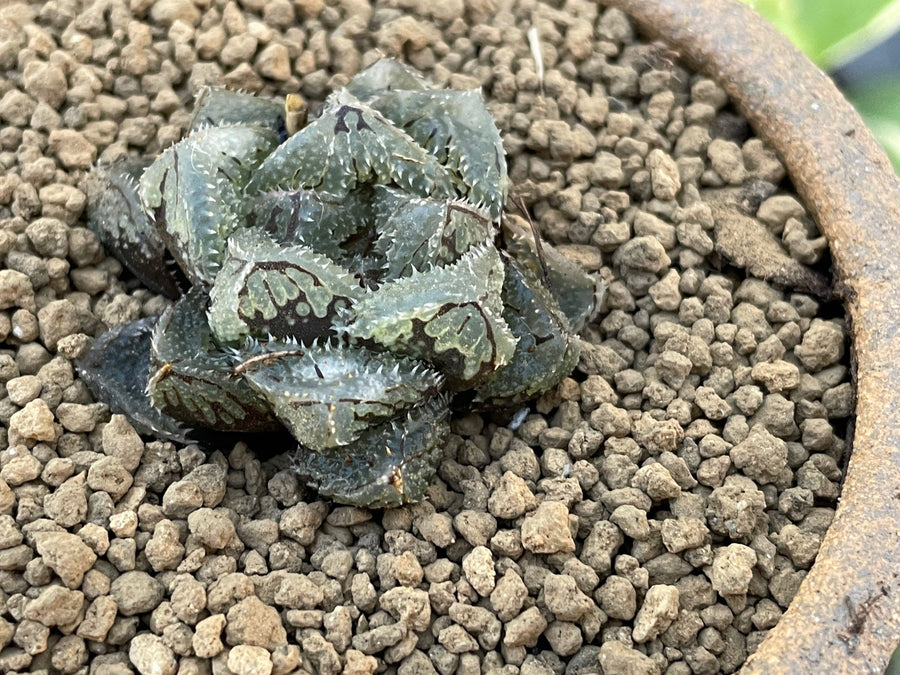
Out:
{"x": 342, "y": 280}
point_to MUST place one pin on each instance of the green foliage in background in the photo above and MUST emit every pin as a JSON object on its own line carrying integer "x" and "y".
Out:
{"x": 831, "y": 33}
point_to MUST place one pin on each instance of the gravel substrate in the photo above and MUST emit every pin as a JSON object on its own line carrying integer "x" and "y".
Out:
{"x": 655, "y": 513}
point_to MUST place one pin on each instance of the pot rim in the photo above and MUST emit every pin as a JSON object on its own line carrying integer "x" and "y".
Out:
{"x": 846, "y": 614}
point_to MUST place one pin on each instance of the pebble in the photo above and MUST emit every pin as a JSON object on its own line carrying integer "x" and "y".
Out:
{"x": 120, "y": 440}
{"x": 151, "y": 656}
{"x": 658, "y": 611}
{"x": 274, "y": 62}
{"x": 55, "y": 606}
{"x": 564, "y": 599}
{"x": 207, "y": 640}
{"x": 664, "y": 175}
{"x": 249, "y": 660}
{"x": 478, "y": 566}
{"x": 136, "y": 592}
{"x": 761, "y": 456}
{"x": 72, "y": 149}
{"x": 732, "y": 569}
{"x": 546, "y": 530}
{"x": 66, "y": 554}
{"x": 618, "y": 598}
{"x": 511, "y": 498}
{"x": 250, "y": 622}
{"x": 822, "y": 345}
{"x": 212, "y": 528}
{"x": 98, "y": 619}
{"x": 525, "y": 629}
{"x": 34, "y": 422}
{"x": 164, "y": 549}
{"x": 68, "y": 505}
{"x": 508, "y": 596}
{"x": 23, "y": 467}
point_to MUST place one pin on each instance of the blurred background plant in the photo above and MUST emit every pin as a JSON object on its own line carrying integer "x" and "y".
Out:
{"x": 858, "y": 43}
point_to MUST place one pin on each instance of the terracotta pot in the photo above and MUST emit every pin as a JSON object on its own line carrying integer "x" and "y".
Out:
{"x": 846, "y": 615}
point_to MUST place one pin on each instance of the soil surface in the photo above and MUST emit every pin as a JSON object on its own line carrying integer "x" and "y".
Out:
{"x": 654, "y": 513}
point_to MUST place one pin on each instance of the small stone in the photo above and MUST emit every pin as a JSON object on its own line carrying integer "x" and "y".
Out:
{"x": 151, "y": 656}
{"x": 822, "y": 345}
{"x": 17, "y": 107}
{"x": 525, "y": 629}
{"x": 682, "y": 534}
{"x": 108, "y": 475}
{"x": 121, "y": 441}
{"x": 632, "y": 521}
{"x": 34, "y": 422}
{"x": 68, "y": 505}
{"x": 727, "y": 161}
{"x": 181, "y": 499}
{"x": 478, "y": 566}
{"x": 300, "y": 522}
{"x": 164, "y": 550}
{"x": 761, "y": 456}
{"x": 357, "y": 663}
{"x": 508, "y": 595}
{"x": 167, "y": 12}
{"x": 777, "y": 376}
{"x": 406, "y": 569}
{"x": 49, "y": 237}
{"x": 564, "y": 599}
{"x": 456, "y": 640}
{"x": 274, "y": 62}
{"x": 212, "y": 528}
{"x": 251, "y": 622}
{"x": 437, "y": 528}
{"x": 736, "y": 508}
{"x": 77, "y": 417}
{"x": 69, "y": 654}
{"x": 66, "y": 554}
{"x": 136, "y": 592}
{"x": 23, "y": 389}
{"x": 617, "y": 657}
{"x": 547, "y": 529}
{"x": 249, "y": 660}
{"x": 31, "y": 636}
{"x": 732, "y": 569}
{"x": 298, "y": 591}
{"x": 378, "y": 639}
{"x": 55, "y": 606}
{"x": 123, "y": 524}
{"x": 618, "y": 598}
{"x": 207, "y": 640}
{"x": 72, "y": 149}
{"x": 644, "y": 254}
{"x": 659, "y": 610}
{"x": 664, "y": 176}
{"x": 665, "y": 292}
{"x": 10, "y": 533}
{"x": 285, "y": 659}
{"x": 656, "y": 482}
{"x": 98, "y": 619}
{"x": 778, "y": 209}
{"x": 23, "y": 466}
{"x": 46, "y": 82}
{"x": 511, "y": 498}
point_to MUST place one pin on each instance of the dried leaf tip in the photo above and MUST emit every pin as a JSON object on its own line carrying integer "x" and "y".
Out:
{"x": 295, "y": 113}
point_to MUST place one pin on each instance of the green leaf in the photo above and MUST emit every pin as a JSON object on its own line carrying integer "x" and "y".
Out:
{"x": 878, "y": 101}
{"x": 831, "y": 31}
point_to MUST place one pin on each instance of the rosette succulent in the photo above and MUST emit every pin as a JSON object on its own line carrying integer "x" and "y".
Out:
{"x": 340, "y": 278}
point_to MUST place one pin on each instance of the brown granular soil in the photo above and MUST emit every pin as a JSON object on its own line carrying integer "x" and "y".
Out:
{"x": 654, "y": 513}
